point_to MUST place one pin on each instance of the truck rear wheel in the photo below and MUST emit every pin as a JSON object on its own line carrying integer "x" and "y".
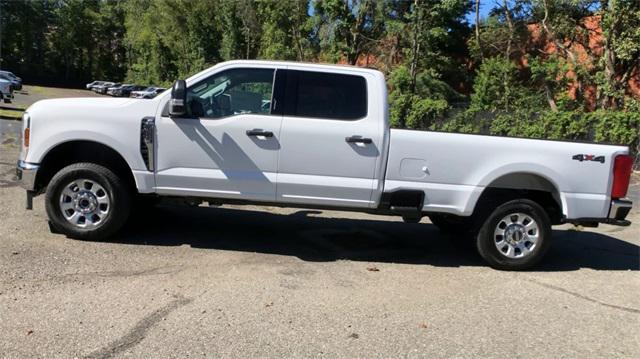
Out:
{"x": 515, "y": 236}
{"x": 87, "y": 201}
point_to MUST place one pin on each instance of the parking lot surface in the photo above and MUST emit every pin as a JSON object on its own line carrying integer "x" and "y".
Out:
{"x": 268, "y": 282}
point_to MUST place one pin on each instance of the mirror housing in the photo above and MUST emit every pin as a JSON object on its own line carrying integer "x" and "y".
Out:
{"x": 178, "y": 102}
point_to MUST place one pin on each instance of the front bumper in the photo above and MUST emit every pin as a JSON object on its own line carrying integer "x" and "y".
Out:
{"x": 26, "y": 173}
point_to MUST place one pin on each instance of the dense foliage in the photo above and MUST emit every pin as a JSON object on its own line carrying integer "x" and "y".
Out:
{"x": 529, "y": 68}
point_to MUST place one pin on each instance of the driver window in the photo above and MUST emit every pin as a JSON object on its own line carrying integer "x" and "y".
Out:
{"x": 232, "y": 92}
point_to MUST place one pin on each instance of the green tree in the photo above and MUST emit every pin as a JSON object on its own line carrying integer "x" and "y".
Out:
{"x": 240, "y": 28}
{"x": 170, "y": 39}
{"x": 286, "y": 30}
{"x": 23, "y": 29}
{"x": 348, "y": 29}
{"x": 431, "y": 34}
{"x": 621, "y": 58}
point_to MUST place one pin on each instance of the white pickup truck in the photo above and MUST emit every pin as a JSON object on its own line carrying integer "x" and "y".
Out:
{"x": 313, "y": 136}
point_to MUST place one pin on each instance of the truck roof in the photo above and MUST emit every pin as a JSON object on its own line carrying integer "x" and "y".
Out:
{"x": 310, "y": 65}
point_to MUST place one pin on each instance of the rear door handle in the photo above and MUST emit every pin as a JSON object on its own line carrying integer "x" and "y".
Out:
{"x": 358, "y": 139}
{"x": 257, "y": 132}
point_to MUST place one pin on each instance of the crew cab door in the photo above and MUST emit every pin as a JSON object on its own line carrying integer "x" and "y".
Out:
{"x": 331, "y": 139}
{"x": 227, "y": 146}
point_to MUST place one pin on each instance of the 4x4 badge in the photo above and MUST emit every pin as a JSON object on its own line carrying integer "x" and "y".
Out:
{"x": 592, "y": 158}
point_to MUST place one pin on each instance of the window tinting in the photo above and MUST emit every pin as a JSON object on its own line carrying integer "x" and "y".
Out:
{"x": 324, "y": 95}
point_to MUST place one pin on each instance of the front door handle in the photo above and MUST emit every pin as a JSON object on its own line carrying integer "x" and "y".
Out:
{"x": 257, "y": 132}
{"x": 358, "y": 139}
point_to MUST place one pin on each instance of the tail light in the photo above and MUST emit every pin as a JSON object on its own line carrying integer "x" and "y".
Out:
{"x": 621, "y": 175}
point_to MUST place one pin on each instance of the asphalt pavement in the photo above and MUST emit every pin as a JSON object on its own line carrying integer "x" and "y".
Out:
{"x": 265, "y": 282}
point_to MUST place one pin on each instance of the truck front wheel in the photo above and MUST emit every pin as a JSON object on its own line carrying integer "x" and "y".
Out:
{"x": 87, "y": 201}
{"x": 515, "y": 236}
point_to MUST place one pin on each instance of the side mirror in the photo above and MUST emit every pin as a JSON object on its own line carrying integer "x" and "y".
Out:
{"x": 178, "y": 102}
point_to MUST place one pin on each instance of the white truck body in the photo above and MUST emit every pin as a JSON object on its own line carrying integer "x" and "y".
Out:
{"x": 308, "y": 162}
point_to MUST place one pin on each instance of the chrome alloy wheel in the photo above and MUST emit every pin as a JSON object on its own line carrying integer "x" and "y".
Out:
{"x": 84, "y": 203}
{"x": 516, "y": 235}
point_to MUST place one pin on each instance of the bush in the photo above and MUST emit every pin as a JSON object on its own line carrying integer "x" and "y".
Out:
{"x": 410, "y": 111}
{"x": 463, "y": 122}
{"x": 562, "y": 125}
{"x": 616, "y": 127}
{"x": 602, "y": 126}
{"x": 619, "y": 127}
{"x": 425, "y": 112}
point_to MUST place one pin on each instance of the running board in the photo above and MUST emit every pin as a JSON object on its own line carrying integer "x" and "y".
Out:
{"x": 405, "y": 210}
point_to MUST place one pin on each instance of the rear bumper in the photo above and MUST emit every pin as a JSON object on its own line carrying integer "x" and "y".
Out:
{"x": 620, "y": 208}
{"x": 618, "y": 212}
{"x": 26, "y": 173}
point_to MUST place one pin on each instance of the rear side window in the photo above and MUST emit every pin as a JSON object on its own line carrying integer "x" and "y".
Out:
{"x": 325, "y": 95}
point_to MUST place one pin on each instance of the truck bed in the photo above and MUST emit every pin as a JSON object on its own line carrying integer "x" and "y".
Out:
{"x": 454, "y": 169}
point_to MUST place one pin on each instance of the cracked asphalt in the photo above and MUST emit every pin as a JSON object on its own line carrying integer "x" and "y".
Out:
{"x": 267, "y": 282}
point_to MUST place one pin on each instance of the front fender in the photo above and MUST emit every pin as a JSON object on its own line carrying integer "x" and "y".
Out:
{"x": 38, "y": 152}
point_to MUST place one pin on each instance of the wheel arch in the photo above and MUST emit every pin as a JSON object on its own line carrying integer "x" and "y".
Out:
{"x": 74, "y": 151}
{"x": 534, "y": 186}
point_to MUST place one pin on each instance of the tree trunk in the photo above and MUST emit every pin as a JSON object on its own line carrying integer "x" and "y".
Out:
{"x": 296, "y": 32}
{"x": 478, "y": 30}
{"x": 415, "y": 47}
{"x": 560, "y": 45}
{"x": 507, "y": 16}
{"x": 550, "y": 100}
{"x": 356, "y": 48}
{"x": 609, "y": 100}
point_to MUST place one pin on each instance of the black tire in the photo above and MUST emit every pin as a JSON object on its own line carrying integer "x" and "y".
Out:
{"x": 452, "y": 224}
{"x": 487, "y": 241}
{"x": 117, "y": 191}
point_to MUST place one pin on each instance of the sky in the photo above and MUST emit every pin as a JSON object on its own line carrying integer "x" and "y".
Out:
{"x": 485, "y": 8}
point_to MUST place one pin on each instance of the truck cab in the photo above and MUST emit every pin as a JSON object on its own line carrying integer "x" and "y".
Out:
{"x": 320, "y": 140}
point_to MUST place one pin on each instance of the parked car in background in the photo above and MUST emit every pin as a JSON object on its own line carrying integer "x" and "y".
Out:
{"x": 102, "y": 88}
{"x": 149, "y": 92}
{"x": 112, "y": 89}
{"x": 125, "y": 90}
{"x": 16, "y": 82}
{"x": 91, "y": 85}
{"x": 157, "y": 91}
{"x": 6, "y": 90}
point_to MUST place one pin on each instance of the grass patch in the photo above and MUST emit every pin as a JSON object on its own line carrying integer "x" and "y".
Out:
{"x": 45, "y": 91}
{"x": 12, "y": 106}
{"x": 11, "y": 113}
